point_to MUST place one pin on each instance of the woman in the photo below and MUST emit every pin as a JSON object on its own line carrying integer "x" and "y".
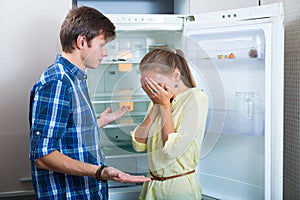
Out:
{"x": 173, "y": 128}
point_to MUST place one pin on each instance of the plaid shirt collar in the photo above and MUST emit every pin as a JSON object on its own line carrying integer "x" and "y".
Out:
{"x": 71, "y": 67}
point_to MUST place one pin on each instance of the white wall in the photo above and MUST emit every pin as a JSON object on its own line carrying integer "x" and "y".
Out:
{"x": 29, "y": 42}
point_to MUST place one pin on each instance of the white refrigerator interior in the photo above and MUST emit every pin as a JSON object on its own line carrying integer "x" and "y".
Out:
{"x": 237, "y": 58}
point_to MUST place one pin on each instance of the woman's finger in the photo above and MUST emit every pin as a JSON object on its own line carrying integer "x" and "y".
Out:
{"x": 153, "y": 85}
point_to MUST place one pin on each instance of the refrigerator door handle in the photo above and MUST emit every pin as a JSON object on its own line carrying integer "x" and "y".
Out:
{"x": 188, "y": 18}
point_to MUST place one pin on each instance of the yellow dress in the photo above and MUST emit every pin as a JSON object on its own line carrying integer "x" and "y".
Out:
{"x": 181, "y": 152}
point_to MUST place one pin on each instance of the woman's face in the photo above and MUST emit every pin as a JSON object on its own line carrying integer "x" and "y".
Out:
{"x": 161, "y": 79}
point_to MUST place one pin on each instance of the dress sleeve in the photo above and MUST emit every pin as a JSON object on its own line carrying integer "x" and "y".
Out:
{"x": 137, "y": 146}
{"x": 50, "y": 112}
{"x": 189, "y": 126}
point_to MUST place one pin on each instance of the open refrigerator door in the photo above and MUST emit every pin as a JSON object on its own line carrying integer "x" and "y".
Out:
{"x": 237, "y": 57}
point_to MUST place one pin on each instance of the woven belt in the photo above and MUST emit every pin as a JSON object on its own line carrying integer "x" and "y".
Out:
{"x": 169, "y": 177}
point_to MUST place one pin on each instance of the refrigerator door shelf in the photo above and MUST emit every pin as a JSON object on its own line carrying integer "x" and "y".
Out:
{"x": 236, "y": 122}
{"x": 241, "y": 175}
{"x": 227, "y": 45}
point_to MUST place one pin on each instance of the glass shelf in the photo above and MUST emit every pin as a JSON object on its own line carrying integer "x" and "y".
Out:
{"x": 119, "y": 101}
{"x": 109, "y": 126}
{"x": 232, "y": 59}
{"x": 112, "y": 62}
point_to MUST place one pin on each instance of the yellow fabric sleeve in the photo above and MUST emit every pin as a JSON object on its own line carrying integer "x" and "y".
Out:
{"x": 137, "y": 146}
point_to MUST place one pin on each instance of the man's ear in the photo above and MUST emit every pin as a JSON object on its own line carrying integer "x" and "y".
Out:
{"x": 81, "y": 40}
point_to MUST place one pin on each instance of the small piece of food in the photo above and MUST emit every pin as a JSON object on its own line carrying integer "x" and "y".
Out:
{"x": 231, "y": 56}
{"x": 221, "y": 56}
{"x": 253, "y": 53}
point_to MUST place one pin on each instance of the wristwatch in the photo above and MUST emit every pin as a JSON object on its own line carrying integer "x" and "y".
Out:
{"x": 98, "y": 173}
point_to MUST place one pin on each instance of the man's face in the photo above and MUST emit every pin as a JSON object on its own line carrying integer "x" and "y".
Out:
{"x": 93, "y": 55}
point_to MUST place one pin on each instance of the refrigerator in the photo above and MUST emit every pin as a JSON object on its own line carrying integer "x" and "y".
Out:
{"x": 236, "y": 57}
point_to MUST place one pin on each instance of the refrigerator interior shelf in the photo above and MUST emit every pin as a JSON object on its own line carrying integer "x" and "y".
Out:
{"x": 129, "y": 114}
{"x": 127, "y": 155}
{"x": 230, "y": 59}
{"x": 242, "y": 60}
{"x": 119, "y": 125}
{"x": 119, "y": 94}
{"x": 120, "y": 100}
{"x": 111, "y": 62}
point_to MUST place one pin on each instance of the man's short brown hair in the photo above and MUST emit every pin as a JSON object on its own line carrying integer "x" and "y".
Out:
{"x": 84, "y": 21}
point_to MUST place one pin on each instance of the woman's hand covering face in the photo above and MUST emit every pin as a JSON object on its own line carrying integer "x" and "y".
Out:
{"x": 157, "y": 92}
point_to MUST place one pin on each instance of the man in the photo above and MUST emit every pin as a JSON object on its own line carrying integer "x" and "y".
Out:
{"x": 66, "y": 159}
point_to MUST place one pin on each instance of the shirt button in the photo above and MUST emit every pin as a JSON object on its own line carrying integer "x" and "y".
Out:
{"x": 37, "y": 133}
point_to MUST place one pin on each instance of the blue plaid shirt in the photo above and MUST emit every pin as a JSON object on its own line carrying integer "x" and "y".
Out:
{"x": 62, "y": 118}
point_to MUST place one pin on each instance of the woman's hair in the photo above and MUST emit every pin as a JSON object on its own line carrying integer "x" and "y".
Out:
{"x": 165, "y": 61}
{"x": 84, "y": 21}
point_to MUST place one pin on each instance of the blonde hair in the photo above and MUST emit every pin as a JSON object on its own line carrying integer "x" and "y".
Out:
{"x": 165, "y": 61}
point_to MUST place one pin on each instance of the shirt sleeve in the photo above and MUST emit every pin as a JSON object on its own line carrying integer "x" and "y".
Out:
{"x": 49, "y": 116}
{"x": 189, "y": 127}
